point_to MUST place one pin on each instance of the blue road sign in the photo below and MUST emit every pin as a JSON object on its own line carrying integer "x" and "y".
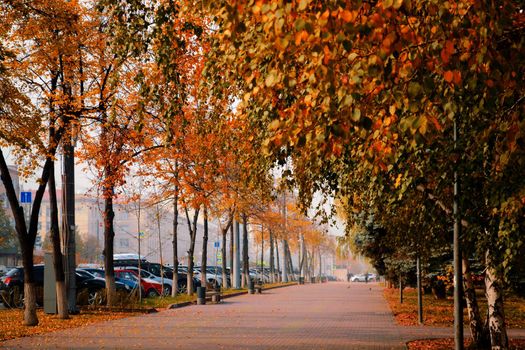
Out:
{"x": 25, "y": 197}
{"x": 217, "y": 244}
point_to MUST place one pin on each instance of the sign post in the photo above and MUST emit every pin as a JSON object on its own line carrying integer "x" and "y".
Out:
{"x": 218, "y": 257}
{"x": 25, "y": 200}
{"x": 50, "y": 295}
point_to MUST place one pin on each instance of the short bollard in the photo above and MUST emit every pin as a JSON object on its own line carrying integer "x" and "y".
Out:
{"x": 216, "y": 297}
{"x": 251, "y": 289}
{"x": 201, "y": 295}
{"x": 301, "y": 280}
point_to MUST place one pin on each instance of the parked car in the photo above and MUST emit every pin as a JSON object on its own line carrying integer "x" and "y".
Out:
{"x": 367, "y": 277}
{"x": 213, "y": 275}
{"x": 167, "y": 282}
{"x": 259, "y": 275}
{"x": 358, "y": 278}
{"x": 12, "y": 287}
{"x": 131, "y": 260}
{"x": 150, "y": 287}
{"x": 101, "y": 274}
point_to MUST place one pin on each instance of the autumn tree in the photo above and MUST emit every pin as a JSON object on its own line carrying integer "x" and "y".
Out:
{"x": 370, "y": 88}
{"x": 45, "y": 39}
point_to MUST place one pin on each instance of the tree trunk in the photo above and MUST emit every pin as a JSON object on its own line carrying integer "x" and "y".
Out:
{"x": 193, "y": 236}
{"x": 496, "y": 316}
{"x": 68, "y": 220}
{"x": 479, "y": 335}
{"x": 300, "y": 255}
{"x": 279, "y": 278}
{"x": 289, "y": 261}
{"x": 419, "y": 295}
{"x": 58, "y": 260}
{"x": 27, "y": 236}
{"x": 245, "y": 257}
{"x": 262, "y": 256}
{"x": 204, "y": 257}
{"x": 109, "y": 237}
{"x": 159, "y": 231}
{"x": 175, "y": 288}
{"x": 272, "y": 265}
{"x": 312, "y": 262}
{"x": 231, "y": 254}
{"x": 30, "y": 317}
{"x": 225, "y": 283}
{"x": 320, "y": 265}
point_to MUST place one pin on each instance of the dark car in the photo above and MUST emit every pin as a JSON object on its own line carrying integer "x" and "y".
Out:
{"x": 155, "y": 269}
{"x": 182, "y": 279}
{"x": 90, "y": 289}
{"x": 101, "y": 274}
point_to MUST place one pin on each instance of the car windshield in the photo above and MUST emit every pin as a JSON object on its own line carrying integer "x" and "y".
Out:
{"x": 97, "y": 273}
{"x": 85, "y": 274}
{"x": 15, "y": 272}
{"x": 127, "y": 276}
{"x": 145, "y": 274}
{"x": 214, "y": 269}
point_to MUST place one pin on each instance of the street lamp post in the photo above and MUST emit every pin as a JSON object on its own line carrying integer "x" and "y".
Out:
{"x": 458, "y": 277}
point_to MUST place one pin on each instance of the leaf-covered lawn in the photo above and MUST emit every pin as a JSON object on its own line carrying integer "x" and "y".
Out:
{"x": 440, "y": 312}
{"x": 163, "y": 302}
{"x": 448, "y": 343}
{"x": 11, "y": 322}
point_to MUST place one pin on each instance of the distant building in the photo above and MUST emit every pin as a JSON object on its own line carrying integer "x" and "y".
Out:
{"x": 10, "y": 254}
{"x": 90, "y": 227}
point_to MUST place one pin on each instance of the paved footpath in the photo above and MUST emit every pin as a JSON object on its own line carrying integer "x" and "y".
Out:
{"x": 320, "y": 316}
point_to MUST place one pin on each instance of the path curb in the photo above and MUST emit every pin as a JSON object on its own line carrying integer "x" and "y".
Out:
{"x": 194, "y": 302}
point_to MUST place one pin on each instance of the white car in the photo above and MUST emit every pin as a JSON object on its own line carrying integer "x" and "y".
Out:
{"x": 358, "y": 278}
{"x": 211, "y": 278}
{"x": 367, "y": 277}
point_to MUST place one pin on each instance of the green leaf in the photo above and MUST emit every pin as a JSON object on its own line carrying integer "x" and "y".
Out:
{"x": 414, "y": 89}
{"x": 398, "y": 3}
{"x": 356, "y": 114}
{"x": 303, "y": 4}
{"x": 274, "y": 125}
{"x": 299, "y": 24}
{"x": 271, "y": 79}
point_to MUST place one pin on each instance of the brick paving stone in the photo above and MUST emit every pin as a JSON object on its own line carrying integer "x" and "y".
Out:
{"x": 332, "y": 315}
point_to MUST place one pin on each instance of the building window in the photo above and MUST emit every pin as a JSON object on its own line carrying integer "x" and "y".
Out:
{"x": 124, "y": 243}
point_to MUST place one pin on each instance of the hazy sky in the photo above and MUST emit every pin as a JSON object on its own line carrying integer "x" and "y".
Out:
{"x": 84, "y": 182}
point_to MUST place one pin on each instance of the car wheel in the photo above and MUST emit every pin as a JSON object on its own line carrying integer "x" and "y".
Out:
{"x": 95, "y": 297}
{"x": 182, "y": 288}
{"x": 151, "y": 293}
{"x": 16, "y": 297}
{"x": 166, "y": 290}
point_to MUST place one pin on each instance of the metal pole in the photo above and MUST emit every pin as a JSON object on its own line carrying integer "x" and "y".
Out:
{"x": 458, "y": 282}
{"x": 419, "y": 296}
{"x": 139, "y": 261}
{"x": 236, "y": 257}
{"x": 284, "y": 254}
{"x": 302, "y": 259}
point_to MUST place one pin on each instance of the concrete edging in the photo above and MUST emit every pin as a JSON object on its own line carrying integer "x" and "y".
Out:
{"x": 194, "y": 302}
